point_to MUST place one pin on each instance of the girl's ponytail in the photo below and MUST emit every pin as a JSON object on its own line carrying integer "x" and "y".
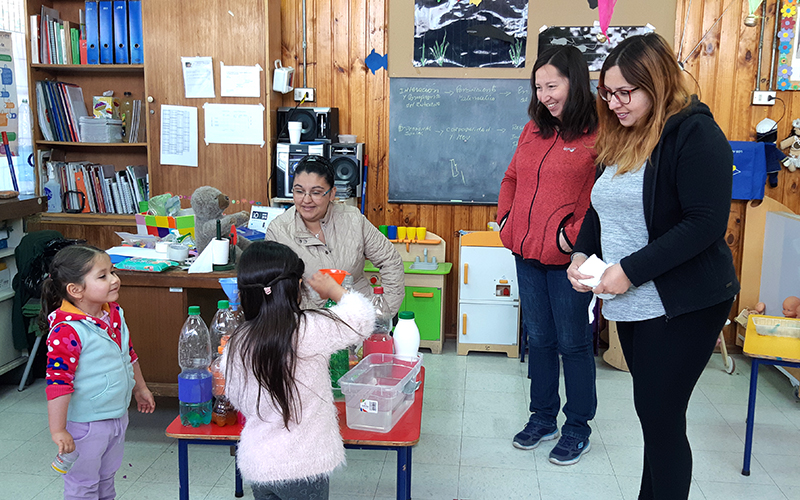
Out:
{"x": 50, "y": 302}
{"x": 70, "y": 265}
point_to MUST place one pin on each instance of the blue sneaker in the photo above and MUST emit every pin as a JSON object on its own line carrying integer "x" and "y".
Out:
{"x": 569, "y": 450}
{"x": 533, "y": 434}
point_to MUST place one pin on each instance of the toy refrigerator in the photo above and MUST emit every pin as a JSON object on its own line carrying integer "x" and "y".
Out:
{"x": 488, "y": 295}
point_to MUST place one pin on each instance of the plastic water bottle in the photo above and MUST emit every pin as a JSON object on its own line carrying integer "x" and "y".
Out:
{"x": 24, "y": 168}
{"x": 224, "y": 323}
{"x": 406, "y": 335}
{"x": 380, "y": 341}
{"x": 194, "y": 382}
{"x": 223, "y": 413}
{"x": 340, "y": 360}
{"x": 52, "y": 189}
{"x": 64, "y": 461}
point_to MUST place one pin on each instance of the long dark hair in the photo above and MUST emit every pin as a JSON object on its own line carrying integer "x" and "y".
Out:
{"x": 70, "y": 265}
{"x": 266, "y": 343}
{"x": 314, "y": 164}
{"x": 579, "y": 116}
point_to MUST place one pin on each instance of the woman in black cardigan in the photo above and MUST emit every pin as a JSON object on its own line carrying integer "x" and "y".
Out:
{"x": 659, "y": 215}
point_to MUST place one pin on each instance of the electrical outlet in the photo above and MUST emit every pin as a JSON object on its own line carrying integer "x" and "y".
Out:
{"x": 764, "y": 98}
{"x": 308, "y": 93}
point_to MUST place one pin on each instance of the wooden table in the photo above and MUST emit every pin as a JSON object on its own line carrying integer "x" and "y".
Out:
{"x": 156, "y": 306}
{"x": 764, "y": 350}
{"x": 401, "y": 438}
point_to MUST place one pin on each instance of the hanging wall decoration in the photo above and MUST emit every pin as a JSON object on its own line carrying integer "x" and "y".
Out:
{"x": 788, "y": 47}
{"x": 470, "y": 34}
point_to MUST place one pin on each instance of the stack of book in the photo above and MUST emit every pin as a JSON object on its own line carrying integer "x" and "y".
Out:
{"x": 109, "y": 32}
{"x": 92, "y": 188}
{"x": 54, "y": 41}
{"x": 60, "y": 106}
{"x": 132, "y": 129}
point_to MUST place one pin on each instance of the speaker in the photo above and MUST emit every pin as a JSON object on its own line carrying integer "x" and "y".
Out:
{"x": 348, "y": 167}
{"x": 319, "y": 124}
{"x": 287, "y": 155}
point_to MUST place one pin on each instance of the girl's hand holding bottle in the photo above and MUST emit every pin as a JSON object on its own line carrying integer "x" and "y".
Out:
{"x": 64, "y": 441}
{"x": 326, "y": 286}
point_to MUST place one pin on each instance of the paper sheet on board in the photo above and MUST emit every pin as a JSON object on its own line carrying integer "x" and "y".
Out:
{"x": 198, "y": 77}
{"x": 234, "y": 123}
{"x": 178, "y": 135}
{"x": 240, "y": 81}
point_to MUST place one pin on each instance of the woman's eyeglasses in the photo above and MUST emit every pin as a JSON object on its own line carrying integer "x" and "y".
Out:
{"x": 623, "y": 96}
{"x": 315, "y": 194}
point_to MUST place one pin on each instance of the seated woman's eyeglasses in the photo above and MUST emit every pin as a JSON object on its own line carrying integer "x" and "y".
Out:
{"x": 315, "y": 194}
{"x": 623, "y": 96}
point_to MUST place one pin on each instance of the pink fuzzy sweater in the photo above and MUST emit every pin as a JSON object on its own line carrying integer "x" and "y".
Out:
{"x": 268, "y": 452}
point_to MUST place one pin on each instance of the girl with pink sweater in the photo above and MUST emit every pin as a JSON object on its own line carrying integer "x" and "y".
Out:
{"x": 277, "y": 374}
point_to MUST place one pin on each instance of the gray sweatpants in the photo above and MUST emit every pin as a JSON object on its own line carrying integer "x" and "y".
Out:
{"x": 302, "y": 489}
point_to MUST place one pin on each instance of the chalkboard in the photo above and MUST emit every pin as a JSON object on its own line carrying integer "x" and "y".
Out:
{"x": 451, "y": 140}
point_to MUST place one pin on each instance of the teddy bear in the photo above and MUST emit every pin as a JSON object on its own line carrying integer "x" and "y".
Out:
{"x": 792, "y": 143}
{"x": 208, "y": 204}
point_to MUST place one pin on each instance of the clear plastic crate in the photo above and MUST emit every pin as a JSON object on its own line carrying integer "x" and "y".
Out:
{"x": 100, "y": 129}
{"x": 379, "y": 390}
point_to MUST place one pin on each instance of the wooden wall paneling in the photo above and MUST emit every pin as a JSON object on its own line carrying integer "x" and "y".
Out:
{"x": 341, "y": 74}
{"x": 237, "y": 38}
{"x": 358, "y": 75}
{"x": 101, "y": 236}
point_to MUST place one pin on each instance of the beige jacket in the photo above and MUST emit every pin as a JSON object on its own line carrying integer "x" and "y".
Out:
{"x": 351, "y": 239}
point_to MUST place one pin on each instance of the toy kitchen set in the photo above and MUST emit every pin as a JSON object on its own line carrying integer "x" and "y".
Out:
{"x": 488, "y": 295}
{"x": 425, "y": 272}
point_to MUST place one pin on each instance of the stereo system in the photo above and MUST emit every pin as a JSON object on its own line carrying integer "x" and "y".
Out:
{"x": 287, "y": 156}
{"x": 319, "y": 124}
{"x": 347, "y": 160}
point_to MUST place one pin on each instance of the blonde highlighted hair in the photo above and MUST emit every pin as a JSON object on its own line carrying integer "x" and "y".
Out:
{"x": 648, "y": 63}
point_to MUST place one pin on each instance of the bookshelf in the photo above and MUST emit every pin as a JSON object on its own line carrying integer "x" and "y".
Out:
{"x": 250, "y": 37}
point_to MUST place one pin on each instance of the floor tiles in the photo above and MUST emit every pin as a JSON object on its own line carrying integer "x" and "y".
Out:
{"x": 473, "y": 406}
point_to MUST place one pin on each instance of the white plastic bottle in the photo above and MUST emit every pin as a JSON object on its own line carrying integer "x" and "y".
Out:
{"x": 52, "y": 189}
{"x": 406, "y": 335}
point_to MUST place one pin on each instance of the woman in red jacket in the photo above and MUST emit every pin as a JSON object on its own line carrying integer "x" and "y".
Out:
{"x": 543, "y": 199}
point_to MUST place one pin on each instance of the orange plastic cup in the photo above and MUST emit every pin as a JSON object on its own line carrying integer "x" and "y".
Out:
{"x": 336, "y": 274}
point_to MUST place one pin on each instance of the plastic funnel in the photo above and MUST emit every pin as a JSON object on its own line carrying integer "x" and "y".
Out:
{"x": 336, "y": 274}
{"x": 231, "y": 289}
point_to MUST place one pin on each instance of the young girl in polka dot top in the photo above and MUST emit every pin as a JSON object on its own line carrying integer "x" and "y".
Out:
{"x": 92, "y": 369}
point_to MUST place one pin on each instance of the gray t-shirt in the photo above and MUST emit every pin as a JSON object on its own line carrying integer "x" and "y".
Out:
{"x": 618, "y": 202}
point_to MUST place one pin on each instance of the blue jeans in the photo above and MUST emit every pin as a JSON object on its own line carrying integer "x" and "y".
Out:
{"x": 557, "y": 322}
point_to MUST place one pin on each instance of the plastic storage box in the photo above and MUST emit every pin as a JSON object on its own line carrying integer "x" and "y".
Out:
{"x": 100, "y": 129}
{"x": 379, "y": 390}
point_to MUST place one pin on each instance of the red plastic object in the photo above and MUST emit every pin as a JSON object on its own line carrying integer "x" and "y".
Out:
{"x": 336, "y": 274}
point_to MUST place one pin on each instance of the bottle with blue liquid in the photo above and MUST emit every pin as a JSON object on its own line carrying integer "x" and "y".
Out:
{"x": 194, "y": 382}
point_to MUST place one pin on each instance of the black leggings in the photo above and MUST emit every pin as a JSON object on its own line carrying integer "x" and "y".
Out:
{"x": 666, "y": 357}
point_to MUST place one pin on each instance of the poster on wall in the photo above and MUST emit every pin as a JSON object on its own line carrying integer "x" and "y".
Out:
{"x": 8, "y": 93}
{"x": 470, "y": 34}
{"x": 590, "y": 40}
{"x": 788, "y": 47}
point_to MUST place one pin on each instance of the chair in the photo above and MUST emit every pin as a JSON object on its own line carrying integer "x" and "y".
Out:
{"x": 31, "y": 311}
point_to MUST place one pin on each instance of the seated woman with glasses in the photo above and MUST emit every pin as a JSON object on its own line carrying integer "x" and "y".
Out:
{"x": 329, "y": 235}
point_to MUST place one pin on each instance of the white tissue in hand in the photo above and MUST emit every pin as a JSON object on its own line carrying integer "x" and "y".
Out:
{"x": 593, "y": 267}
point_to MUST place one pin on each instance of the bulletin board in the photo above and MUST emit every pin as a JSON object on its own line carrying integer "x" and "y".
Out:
{"x": 660, "y": 14}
